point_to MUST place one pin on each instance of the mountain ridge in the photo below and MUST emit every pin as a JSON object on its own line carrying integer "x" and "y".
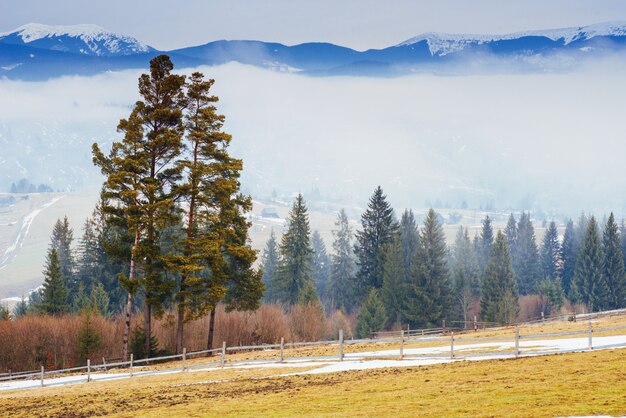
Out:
{"x": 38, "y": 52}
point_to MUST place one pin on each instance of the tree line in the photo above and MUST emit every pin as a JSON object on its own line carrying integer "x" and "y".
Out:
{"x": 395, "y": 272}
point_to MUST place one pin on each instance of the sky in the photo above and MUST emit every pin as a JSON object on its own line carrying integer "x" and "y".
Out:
{"x": 360, "y": 24}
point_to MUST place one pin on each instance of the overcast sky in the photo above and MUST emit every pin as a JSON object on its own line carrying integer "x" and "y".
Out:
{"x": 359, "y": 24}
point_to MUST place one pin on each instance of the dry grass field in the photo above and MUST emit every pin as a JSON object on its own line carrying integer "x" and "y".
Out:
{"x": 589, "y": 383}
{"x": 558, "y": 385}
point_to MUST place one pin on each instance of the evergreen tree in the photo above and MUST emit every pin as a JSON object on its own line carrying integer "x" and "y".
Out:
{"x": 590, "y": 282}
{"x": 569, "y": 254}
{"x": 526, "y": 257}
{"x": 510, "y": 231}
{"x": 372, "y": 316}
{"x": 622, "y": 234}
{"x": 270, "y": 260}
{"x": 88, "y": 267}
{"x": 429, "y": 298}
{"x": 21, "y": 308}
{"x": 140, "y": 171}
{"x": 485, "y": 242}
{"x": 614, "y": 264}
{"x": 80, "y": 300}
{"x": 378, "y": 227}
{"x": 61, "y": 241}
{"x": 100, "y": 300}
{"x": 89, "y": 338}
{"x": 294, "y": 270}
{"x": 54, "y": 292}
{"x": 342, "y": 269}
{"x": 320, "y": 264}
{"x": 499, "y": 296}
{"x": 465, "y": 273}
{"x": 551, "y": 253}
{"x": 552, "y": 296}
{"x": 395, "y": 280}
{"x": 410, "y": 240}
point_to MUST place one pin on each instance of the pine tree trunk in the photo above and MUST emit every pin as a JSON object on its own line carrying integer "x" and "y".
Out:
{"x": 211, "y": 330}
{"x": 180, "y": 323}
{"x": 129, "y": 299}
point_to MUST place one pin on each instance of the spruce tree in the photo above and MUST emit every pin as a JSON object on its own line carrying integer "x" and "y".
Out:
{"x": 372, "y": 317}
{"x": 409, "y": 238}
{"x": 428, "y": 296}
{"x": 526, "y": 256}
{"x": 499, "y": 294}
{"x": 395, "y": 279}
{"x": 269, "y": 261}
{"x": 377, "y": 229}
{"x": 294, "y": 270}
{"x": 320, "y": 264}
{"x": 590, "y": 282}
{"x": 89, "y": 338}
{"x": 54, "y": 292}
{"x": 569, "y": 254}
{"x": 465, "y": 273}
{"x": 551, "y": 253}
{"x": 61, "y": 240}
{"x": 21, "y": 308}
{"x": 100, "y": 300}
{"x": 343, "y": 268}
{"x": 510, "y": 231}
{"x": 614, "y": 264}
{"x": 88, "y": 265}
{"x": 485, "y": 242}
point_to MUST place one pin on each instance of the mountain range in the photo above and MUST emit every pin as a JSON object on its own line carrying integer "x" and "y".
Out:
{"x": 39, "y": 52}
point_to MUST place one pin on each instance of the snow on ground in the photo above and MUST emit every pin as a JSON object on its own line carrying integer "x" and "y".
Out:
{"x": 11, "y": 251}
{"x": 362, "y": 361}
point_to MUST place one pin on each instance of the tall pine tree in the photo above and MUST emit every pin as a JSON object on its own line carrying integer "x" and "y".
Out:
{"x": 320, "y": 264}
{"x": 465, "y": 273}
{"x": 614, "y": 264}
{"x": 590, "y": 282}
{"x": 53, "y": 293}
{"x": 343, "y": 268}
{"x": 499, "y": 297}
{"x": 429, "y": 298}
{"x": 395, "y": 280}
{"x": 269, "y": 261}
{"x": 295, "y": 270}
{"x": 551, "y": 261}
{"x": 485, "y": 242}
{"x": 378, "y": 226}
{"x": 569, "y": 254}
{"x": 526, "y": 256}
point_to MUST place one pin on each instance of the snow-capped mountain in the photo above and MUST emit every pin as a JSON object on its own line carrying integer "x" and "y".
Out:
{"x": 79, "y": 39}
{"x": 40, "y": 52}
{"x": 441, "y": 44}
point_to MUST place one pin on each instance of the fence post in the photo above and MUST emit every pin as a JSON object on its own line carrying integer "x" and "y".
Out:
{"x": 104, "y": 362}
{"x": 10, "y": 375}
{"x": 223, "y": 353}
{"x": 88, "y": 370}
{"x": 452, "y": 345}
{"x": 131, "y": 364}
{"x": 340, "y": 345}
{"x": 444, "y": 326}
{"x": 42, "y": 376}
{"x": 475, "y": 324}
{"x": 184, "y": 358}
{"x": 282, "y": 349}
{"x": 543, "y": 319}
{"x": 402, "y": 345}
{"x": 590, "y": 336}
{"x": 516, "y": 342}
